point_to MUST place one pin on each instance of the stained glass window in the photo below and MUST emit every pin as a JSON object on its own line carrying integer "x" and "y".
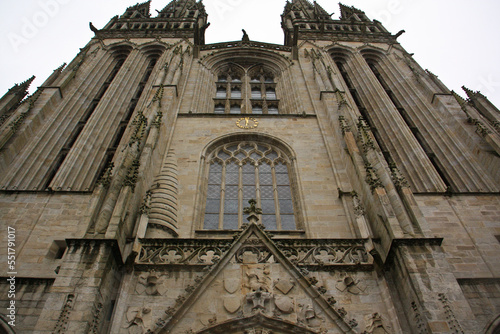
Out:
{"x": 248, "y": 170}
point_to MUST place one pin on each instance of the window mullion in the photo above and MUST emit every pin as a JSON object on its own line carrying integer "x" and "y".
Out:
{"x": 257, "y": 189}
{"x": 222, "y": 197}
{"x": 263, "y": 95}
{"x": 246, "y": 94}
{"x": 240, "y": 195}
{"x": 276, "y": 199}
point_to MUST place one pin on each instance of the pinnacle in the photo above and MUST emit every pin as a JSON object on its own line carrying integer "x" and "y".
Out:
{"x": 459, "y": 99}
{"x": 347, "y": 11}
{"x": 28, "y": 82}
{"x": 472, "y": 94}
{"x": 23, "y": 86}
{"x": 143, "y": 8}
{"x": 342, "y": 6}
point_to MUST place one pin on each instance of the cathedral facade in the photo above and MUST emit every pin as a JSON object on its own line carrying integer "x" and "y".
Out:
{"x": 159, "y": 184}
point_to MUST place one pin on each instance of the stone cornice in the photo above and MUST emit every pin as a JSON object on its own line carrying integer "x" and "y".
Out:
{"x": 252, "y": 44}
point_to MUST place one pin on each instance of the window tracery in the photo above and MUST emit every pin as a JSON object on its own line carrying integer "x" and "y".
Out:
{"x": 240, "y": 171}
{"x": 246, "y": 90}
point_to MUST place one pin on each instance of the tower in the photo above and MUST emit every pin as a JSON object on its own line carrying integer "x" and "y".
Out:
{"x": 159, "y": 184}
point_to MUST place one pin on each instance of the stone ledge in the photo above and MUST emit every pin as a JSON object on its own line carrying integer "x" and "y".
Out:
{"x": 29, "y": 280}
{"x": 397, "y": 242}
{"x": 113, "y": 243}
{"x": 485, "y": 280}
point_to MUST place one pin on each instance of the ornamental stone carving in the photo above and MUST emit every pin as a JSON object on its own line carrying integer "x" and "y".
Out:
{"x": 284, "y": 286}
{"x": 138, "y": 320}
{"x": 374, "y": 324}
{"x": 151, "y": 283}
{"x": 258, "y": 299}
{"x": 349, "y": 284}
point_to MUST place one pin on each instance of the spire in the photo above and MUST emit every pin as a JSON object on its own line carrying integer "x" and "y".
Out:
{"x": 139, "y": 10}
{"x": 304, "y": 9}
{"x": 348, "y": 13}
{"x": 11, "y": 100}
{"x": 182, "y": 8}
{"x": 471, "y": 94}
{"x": 320, "y": 12}
{"x": 22, "y": 88}
{"x": 180, "y": 18}
{"x": 303, "y": 20}
{"x": 459, "y": 99}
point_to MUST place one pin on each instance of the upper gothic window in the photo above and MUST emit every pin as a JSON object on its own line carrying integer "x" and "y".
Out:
{"x": 240, "y": 171}
{"x": 245, "y": 90}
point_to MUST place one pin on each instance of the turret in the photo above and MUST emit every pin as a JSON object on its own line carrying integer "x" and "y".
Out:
{"x": 302, "y": 19}
{"x": 180, "y": 18}
{"x": 13, "y": 97}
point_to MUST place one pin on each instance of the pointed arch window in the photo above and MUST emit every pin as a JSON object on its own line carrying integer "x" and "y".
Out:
{"x": 240, "y": 171}
{"x": 253, "y": 88}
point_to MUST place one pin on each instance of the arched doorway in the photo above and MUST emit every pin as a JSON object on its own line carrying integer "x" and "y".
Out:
{"x": 256, "y": 324}
{"x": 494, "y": 326}
{"x": 4, "y": 325}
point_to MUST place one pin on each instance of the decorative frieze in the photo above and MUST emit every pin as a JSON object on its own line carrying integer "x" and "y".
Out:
{"x": 132, "y": 174}
{"x": 140, "y": 122}
{"x": 325, "y": 253}
{"x": 418, "y": 319}
{"x": 105, "y": 179}
{"x": 364, "y": 135}
{"x": 159, "y": 94}
{"x": 452, "y": 320}
{"x": 344, "y": 126}
{"x": 320, "y": 255}
{"x": 398, "y": 178}
{"x": 62, "y": 321}
{"x": 96, "y": 320}
{"x": 182, "y": 252}
{"x": 372, "y": 178}
{"x": 480, "y": 128}
{"x": 359, "y": 209}
{"x": 146, "y": 204}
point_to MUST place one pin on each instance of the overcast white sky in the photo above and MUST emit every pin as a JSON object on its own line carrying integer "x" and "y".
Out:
{"x": 455, "y": 39}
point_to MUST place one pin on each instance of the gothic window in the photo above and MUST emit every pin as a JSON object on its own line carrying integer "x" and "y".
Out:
{"x": 252, "y": 88}
{"x": 240, "y": 171}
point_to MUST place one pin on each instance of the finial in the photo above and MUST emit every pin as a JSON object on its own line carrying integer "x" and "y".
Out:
{"x": 252, "y": 211}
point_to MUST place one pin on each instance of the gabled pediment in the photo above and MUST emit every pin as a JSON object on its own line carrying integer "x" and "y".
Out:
{"x": 253, "y": 279}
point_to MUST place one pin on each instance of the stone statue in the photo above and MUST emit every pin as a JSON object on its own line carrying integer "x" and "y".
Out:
{"x": 245, "y": 36}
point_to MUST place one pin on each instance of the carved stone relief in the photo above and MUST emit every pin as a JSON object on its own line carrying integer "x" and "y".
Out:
{"x": 259, "y": 299}
{"x": 309, "y": 317}
{"x": 258, "y": 278}
{"x": 62, "y": 321}
{"x": 284, "y": 304}
{"x": 284, "y": 286}
{"x": 138, "y": 320}
{"x": 374, "y": 324}
{"x": 349, "y": 284}
{"x": 152, "y": 283}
